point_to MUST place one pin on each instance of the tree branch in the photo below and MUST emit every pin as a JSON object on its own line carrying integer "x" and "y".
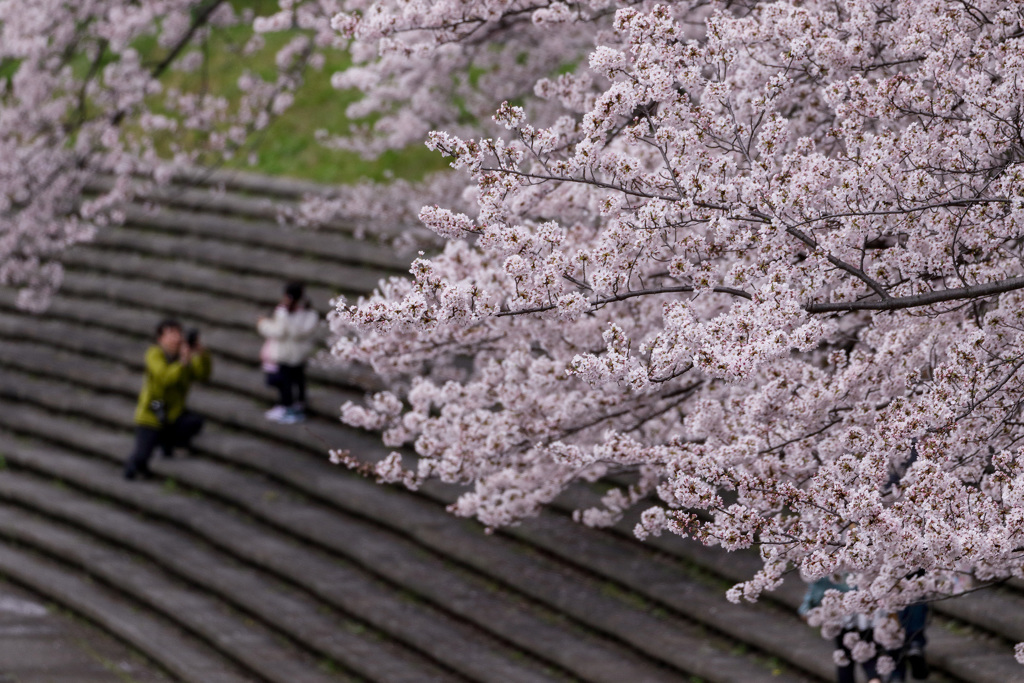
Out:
{"x": 842, "y": 265}
{"x": 925, "y": 299}
{"x": 199, "y": 20}
{"x": 630, "y": 295}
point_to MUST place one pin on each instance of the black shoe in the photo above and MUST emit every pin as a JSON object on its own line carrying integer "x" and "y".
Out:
{"x": 919, "y": 668}
{"x": 131, "y": 474}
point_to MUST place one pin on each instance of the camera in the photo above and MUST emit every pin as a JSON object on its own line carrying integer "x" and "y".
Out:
{"x": 192, "y": 337}
{"x": 160, "y": 410}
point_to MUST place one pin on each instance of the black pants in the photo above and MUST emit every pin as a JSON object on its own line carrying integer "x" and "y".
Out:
{"x": 913, "y": 619}
{"x": 846, "y": 674}
{"x": 178, "y": 434}
{"x": 290, "y": 382}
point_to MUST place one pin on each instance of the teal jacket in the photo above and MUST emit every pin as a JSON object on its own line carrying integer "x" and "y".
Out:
{"x": 816, "y": 593}
{"x": 168, "y": 380}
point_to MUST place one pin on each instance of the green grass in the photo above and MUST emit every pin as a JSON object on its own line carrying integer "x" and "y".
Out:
{"x": 288, "y": 146}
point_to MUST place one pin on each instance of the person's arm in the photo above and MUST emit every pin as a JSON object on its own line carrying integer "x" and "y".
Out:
{"x": 813, "y": 596}
{"x": 201, "y": 364}
{"x": 274, "y": 326}
{"x": 806, "y": 605}
{"x": 163, "y": 373}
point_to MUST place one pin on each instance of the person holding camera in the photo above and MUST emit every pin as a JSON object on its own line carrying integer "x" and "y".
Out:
{"x": 172, "y": 364}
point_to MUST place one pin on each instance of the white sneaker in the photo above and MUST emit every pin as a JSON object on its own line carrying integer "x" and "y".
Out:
{"x": 293, "y": 416}
{"x": 276, "y": 414}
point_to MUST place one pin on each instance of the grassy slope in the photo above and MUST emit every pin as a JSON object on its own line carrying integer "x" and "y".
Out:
{"x": 288, "y": 146}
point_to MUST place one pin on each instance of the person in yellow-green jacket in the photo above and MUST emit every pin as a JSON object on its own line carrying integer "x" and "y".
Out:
{"x": 172, "y": 365}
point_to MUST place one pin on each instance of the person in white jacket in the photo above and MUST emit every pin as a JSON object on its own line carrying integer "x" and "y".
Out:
{"x": 290, "y": 335}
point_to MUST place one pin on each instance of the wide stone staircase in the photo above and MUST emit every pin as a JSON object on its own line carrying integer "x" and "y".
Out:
{"x": 254, "y": 559}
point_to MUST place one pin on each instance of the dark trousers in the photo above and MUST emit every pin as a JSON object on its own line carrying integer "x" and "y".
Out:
{"x": 290, "y": 382}
{"x": 913, "y": 619}
{"x": 847, "y": 674}
{"x": 178, "y": 434}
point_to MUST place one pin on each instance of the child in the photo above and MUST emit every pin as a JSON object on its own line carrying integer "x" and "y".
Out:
{"x": 290, "y": 340}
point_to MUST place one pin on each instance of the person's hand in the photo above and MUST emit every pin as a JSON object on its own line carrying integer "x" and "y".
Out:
{"x": 184, "y": 352}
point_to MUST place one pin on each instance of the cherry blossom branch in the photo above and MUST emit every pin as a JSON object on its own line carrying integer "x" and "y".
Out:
{"x": 842, "y": 265}
{"x": 200, "y": 19}
{"x": 924, "y": 299}
{"x": 601, "y": 184}
{"x": 633, "y": 294}
{"x": 733, "y": 146}
{"x": 955, "y": 203}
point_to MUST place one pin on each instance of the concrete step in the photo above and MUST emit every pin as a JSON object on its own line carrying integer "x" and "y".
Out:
{"x": 262, "y": 198}
{"x": 676, "y": 586}
{"x": 240, "y": 258}
{"x": 262, "y": 290}
{"x": 181, "y": 655}
{"x": 225, "y": 180}
{"x": 205, "y": 309}
{"x": 475, "y": 603}
{"x": 248, "y": 644}
{"x": 268, "y": 234}
{"x": 963, "y": 644}
{"x": 327, "y": 579}
{"x": 812, "y": 650}
{"x": 762, "y": 628}
{"x": 236, "y": 193}
{"x": 445, "y": 535}
{"x": 291, "y": 613}
{"x": 804, "y": 649}
{"x": 41, "y": 641}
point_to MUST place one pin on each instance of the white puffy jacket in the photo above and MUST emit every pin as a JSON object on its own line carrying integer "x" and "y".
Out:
{"x": 294, "y": 333}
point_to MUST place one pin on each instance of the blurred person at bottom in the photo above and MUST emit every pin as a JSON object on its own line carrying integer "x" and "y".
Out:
{"x": 173, "y": 363}
{"x": 857, "y": 628}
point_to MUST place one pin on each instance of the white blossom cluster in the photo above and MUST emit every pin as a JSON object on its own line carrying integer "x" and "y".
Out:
{"x": 757, "y": 265}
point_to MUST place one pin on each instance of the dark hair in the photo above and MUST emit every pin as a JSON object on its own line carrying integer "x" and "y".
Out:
{"x": 294, "y": 290}
{"x": 166, "y": 323}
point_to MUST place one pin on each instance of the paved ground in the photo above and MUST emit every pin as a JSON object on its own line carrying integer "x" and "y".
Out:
{"x": 39, "y": 644}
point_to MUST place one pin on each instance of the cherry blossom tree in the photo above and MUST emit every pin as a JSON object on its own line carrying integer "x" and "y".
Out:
{"x": 755, "y": 267}
{"x": 752, "y": 267}
{"x": 81, "y": 99}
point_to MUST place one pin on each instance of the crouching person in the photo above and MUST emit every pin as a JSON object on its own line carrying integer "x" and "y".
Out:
{"x": 172, "y": 364}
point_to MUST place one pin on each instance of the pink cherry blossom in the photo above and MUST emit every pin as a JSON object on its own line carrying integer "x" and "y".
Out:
{"x": 758, "y": 265}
